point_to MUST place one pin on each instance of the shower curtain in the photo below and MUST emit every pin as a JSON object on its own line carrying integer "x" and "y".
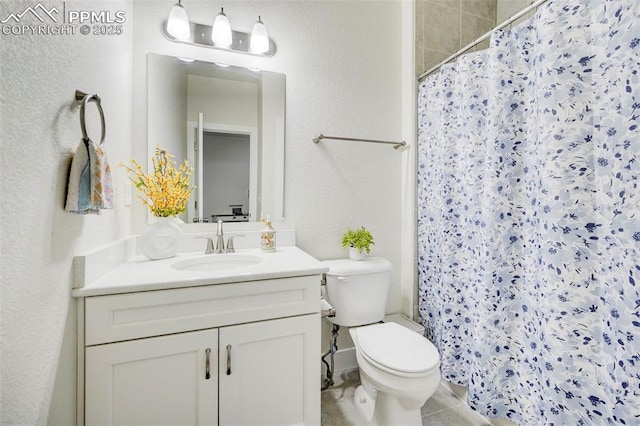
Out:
{"x": 529, "y": 217}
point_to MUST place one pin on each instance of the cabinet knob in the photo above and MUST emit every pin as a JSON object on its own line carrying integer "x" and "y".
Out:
{"x": 228, "y": 360}
{"x": 207, "y": 366}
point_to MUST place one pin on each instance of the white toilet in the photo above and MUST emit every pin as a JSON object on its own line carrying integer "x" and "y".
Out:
{"x": 399, "y": 369}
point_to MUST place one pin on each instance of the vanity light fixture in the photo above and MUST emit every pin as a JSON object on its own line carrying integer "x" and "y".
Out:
{"x": 259, "y": 38}
{"x": 179, "y": 29}
{"x": 178, "y": 22}
{"x": 221, "y": 30}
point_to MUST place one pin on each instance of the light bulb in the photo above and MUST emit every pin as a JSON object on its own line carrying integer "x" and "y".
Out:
{"x": 178, "y": 22}
{"x": 221, "y": 31}
{"x": 259, "y": 38}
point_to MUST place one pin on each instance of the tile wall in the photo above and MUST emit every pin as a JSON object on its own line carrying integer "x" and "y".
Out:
{"x": 445, "y": 26}
{"x": 508, "y": 8}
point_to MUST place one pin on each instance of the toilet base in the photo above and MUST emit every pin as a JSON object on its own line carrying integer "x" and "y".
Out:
{"x": 364, "y": 403}
{"x": 384, "y": 410}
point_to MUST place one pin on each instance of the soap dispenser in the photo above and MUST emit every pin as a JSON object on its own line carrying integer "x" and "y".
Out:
{"x": 268, "y": 237}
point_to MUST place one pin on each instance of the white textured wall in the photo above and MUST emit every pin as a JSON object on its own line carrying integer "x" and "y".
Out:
{"x": 39, "y": 130}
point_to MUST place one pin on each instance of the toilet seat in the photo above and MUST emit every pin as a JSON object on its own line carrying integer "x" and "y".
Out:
{"x": 396, "y": 349}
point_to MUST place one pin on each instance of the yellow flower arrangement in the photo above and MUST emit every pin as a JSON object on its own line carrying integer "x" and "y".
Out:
{"x": 166, "y": 190}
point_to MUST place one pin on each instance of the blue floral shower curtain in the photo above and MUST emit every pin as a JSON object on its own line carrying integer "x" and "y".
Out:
{"x": 529, "y": 217}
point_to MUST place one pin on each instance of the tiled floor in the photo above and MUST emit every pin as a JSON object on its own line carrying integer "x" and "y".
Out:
{"x": 444, "y": 408}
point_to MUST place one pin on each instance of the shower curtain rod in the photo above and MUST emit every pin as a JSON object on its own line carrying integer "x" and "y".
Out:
{"x": 483, "y": 37}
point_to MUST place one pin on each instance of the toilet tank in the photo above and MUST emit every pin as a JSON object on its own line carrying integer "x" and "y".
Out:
{"x": 358, "y": 290}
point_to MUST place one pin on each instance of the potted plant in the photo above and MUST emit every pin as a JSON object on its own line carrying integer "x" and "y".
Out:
{"x": 165, "y": 189}
{"x": 358, "y": 241}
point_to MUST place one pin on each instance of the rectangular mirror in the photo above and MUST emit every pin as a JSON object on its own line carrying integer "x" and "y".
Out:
{"x": 229, "y": 123}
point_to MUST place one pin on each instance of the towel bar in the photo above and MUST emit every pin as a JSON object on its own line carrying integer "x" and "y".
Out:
{"x": 396, "y": 145}
{"x": 82, "y": 99}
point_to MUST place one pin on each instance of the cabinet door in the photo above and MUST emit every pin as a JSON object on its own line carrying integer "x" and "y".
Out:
{"x": 270, "y": 372}
{"x": 154, "y": 381}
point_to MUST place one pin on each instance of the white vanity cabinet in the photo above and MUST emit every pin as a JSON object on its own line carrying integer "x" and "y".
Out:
{"x": 153, "y": 381}
{"x": 245, "y": 353}
{"x": 264, "y": 372}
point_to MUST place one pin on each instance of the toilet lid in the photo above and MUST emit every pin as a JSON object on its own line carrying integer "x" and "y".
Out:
{"x": 397, "y": 348}
{"x": 369, "y": 265}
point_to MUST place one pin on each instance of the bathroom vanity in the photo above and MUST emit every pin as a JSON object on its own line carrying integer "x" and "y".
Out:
{"x": 202, "y": 339}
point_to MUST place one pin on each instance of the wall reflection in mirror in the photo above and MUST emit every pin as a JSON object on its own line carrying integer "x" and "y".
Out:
{"x": 229, "y": 123}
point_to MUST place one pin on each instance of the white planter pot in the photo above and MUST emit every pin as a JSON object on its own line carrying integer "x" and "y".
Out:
{"x": 355, "y": 254}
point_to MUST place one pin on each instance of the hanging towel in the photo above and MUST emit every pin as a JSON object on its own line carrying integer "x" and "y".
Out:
{"x": 90, "y": 187}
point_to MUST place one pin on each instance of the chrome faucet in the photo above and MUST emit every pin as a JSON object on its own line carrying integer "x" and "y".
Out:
{"x": 220, "y": 235}
{"x": 209, "y": 248}
{"x": 230, "y": 247}
{"x": 219, "y": 247}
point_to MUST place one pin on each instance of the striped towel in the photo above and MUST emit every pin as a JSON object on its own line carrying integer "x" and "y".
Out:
{"x": 90, "y": 188}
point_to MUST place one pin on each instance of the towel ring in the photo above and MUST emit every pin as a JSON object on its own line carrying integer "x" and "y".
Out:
{"x": 82, "y": 99}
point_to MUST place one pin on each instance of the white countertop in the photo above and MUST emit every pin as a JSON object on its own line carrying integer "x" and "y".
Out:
{"x": 142, "y": 274}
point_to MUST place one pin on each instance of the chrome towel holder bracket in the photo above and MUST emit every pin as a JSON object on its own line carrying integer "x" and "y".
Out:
{"x": 81, "y": 99}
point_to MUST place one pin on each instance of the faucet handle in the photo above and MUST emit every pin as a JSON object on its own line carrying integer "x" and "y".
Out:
{"x": 230, "y": 247}
{"x": 209, "y": 248}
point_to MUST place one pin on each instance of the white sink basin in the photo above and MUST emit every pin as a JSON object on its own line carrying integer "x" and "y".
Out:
{"x": 217, "y": 262}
